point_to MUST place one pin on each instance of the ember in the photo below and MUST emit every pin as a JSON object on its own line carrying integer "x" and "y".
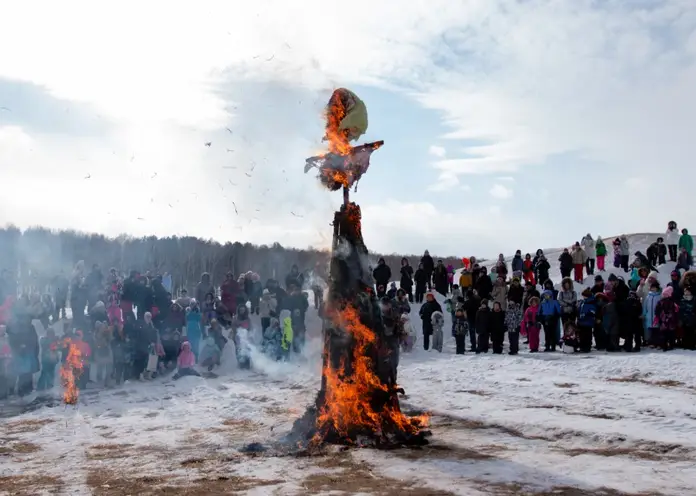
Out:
{"x": 70, "y": 372}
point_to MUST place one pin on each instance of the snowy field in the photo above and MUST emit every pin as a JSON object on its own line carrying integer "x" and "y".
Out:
{"x": 544, "y": 424}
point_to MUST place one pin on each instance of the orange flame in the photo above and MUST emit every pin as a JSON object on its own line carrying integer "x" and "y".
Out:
{"x": 70, "y": 372}
{"x": 337, "y": 138}
{"x": 347, "y": 405}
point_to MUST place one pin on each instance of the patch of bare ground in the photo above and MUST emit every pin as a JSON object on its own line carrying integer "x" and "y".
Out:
{"x": 566, "y": 385}
{"x": 603, "y": 416}
{"x": 645, "y": 451}
{"x": 30, "y": 485}
{"x": 281, "y": 411}
{"x": 514, "y": 489}
{"x": 449, "y": 452}
{"x": 641, "y": 378}
{"x": 475, "y": 392}
{"x": 23, "y": 426}
{"x": 107, "y": 483}
{"x": 345, "y": 475}
{"x": 101, "y": 452}
{"x": 18, "y": 448}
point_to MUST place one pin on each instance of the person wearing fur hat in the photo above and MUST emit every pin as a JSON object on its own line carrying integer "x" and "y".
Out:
{"x": 667, "y": 318}
{"x": 426, "y": 312}
{"x": 499, "y": 294}
{"x": 645, "y": 285}
{"x": 587, "y": 319}
{"x": 542, "y": 268}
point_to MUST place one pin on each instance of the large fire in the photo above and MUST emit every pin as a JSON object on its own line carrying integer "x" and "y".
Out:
{"x": 70, "y": 372}
{"x": 347, "y": 408}
{"x": 337, "y": 138}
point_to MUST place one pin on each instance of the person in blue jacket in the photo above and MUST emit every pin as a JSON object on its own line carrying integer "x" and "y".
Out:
{"x": 550, "y": 316}
{"x": 587, "y": 318}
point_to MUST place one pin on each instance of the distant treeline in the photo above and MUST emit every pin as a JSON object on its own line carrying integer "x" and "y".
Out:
{"x": 36, "y": 255}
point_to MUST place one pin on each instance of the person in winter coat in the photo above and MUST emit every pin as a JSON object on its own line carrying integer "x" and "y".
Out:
{"x": 461, "y": 329}
{"x": 229, "y": 290}
{"x": 687, "y": 320}
{"x": 288, "y": 334}
{"x": 471, "y": 305}
{"x": 588, "y": 244}
{"x": 382, "y": 274}
{"x": 204, "y": 287}
{"x": 268, "y": 307}
{"x": 535, "y": 262}
{"x": 391, "y": 292}
{"x": 450, "y": 276}
{"x": 426, "y": 312}
{"x": 649, "y": 305}
{"x": 674, "y": 283}
{"x": 515, "y": 292}
{"x": 657, "y": 252}
{"x": 579, "y": 260}
{"x": 601, "y": 252}
{"x": 61, "y": 286}
{"x": 686, "y": 241}
{"x": 587, "y": 319}
{"x": 672, "y": 236}
{"x": 440, "y": 278}
{"x": 531, "y": 327}
{"x": 630, "y": 316}
{"x": 549, "y": 315}
{"x": 466, "y": 280}
{"x": 616, "y": 244}
{"x": 194, "y": 329}
{"x": 528, "y": 269}
{"x": 643, "y": 261}
{"x": 272, "y": 340}
{"x": 513, "y": 321}
{"x": 566, "y": 263}
{"x": 499, "y": 293}
{"x": 684, "y": 261}
{"x": 497, "y": 328}
{"x": 517, "y": 263}
{"x": 421, "y": 279}
{"x": 483, "y": 327}
{"x": 406, "y": 281}
{"x": 542, "y": 268}
{"x": 49, "y": 359}
{"x": 400, "y": 303}
{"x": 607, "y": 333}
{"x": 294, "y": 278}
{"x": 598, "y": 286}
{"x": 428, "y": 265}
{"x": 438, "y": 322}
{"x": 121, "y": 354}
{"x": 530, "y": 291}
{"x": 484, "y": 285}
{"x": 625, "y": 250}
{"x": 185, "y": 362}
{"x": 209, "y": 356}
{"x": 667, "y": 318}
{"x": 409, "y": 333}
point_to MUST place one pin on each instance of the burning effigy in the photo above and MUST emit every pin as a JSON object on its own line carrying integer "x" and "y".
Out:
{"x": 358, "y": 403}
{"x": 70, "y": 372}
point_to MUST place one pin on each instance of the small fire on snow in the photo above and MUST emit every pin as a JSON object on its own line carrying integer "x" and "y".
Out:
{"x": 70, "y": 372}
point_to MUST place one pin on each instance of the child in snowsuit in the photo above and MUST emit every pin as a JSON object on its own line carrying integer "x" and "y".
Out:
{"x": 531, "y": 327}
{"x": 667, "y": 318}
{"x": 461, "y": 329}
{"x": 570, "y": 337}
{"x": 410, "y": 336}
{"x": 438, "y": 322}
{"x": 272, "y": 338}
{"x": 587, "y": 319}
{"x": 549, "y": 315}
{"x": 483, "y": 327}
{"x": 513, "y": 321}
{"x": 497, "y": 328}
{"x": 288, "y": 335}
{"x": 631, "y": 325}
{"x": 267, "y": 308}
{"x": 185, "y": 362}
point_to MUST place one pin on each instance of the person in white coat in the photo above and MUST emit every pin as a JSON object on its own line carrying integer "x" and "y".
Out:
{"x": 588, "y": 244}
{"x": 672, "y": 240}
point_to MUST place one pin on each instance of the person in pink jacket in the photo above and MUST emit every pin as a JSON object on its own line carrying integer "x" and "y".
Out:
{"x": 186, "y": 362}
{"x": 450, "y": 276}
{"x": 530, "y": 324}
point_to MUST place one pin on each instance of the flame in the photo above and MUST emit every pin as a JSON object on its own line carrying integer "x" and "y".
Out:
{"x": 347, "y": 405}
{"x": 337, "y": 138}
{"x": 70, "y": 372}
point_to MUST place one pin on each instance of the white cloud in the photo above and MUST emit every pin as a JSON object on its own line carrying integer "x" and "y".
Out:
{"x": 515, "y": 84}
{"x": 506, "y": 178}
{"x": 437, "y": 151}
{"x": 501, "y": 192}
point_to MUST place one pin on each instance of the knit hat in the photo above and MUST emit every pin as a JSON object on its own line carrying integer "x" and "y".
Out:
{"x": 667, "y": 292}
{"x": 599, "y": 278}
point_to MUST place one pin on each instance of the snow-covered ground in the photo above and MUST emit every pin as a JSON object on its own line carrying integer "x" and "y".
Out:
{"x": 601, "y": 424}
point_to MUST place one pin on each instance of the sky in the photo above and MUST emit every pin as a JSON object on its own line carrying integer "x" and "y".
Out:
{"x": 507, "y": 124}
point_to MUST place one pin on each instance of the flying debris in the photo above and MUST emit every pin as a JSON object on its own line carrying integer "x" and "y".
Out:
{"x": 170, "y": 205}
{"x": 235, "y": 208}
{"x": 230, "y": 181}
{"x": 208, "y": 143}
{"x": 132, "y": 157}
{"x": 247, "y": 174}
{"x": 88, "y": 176}
{"x": 253, "y": 166}
{"x": 141, "y": 218}
{"x": 229, "y": 130}
{"x": 153, "y": 176}
{"x": 270, "y": 58}
{"x": 229, "y": 150}
{"x": 300, "y": 216}
{"x": 5, "y": 109}
{"x": 258, "y": 209}
{"x": 229, "y": 166}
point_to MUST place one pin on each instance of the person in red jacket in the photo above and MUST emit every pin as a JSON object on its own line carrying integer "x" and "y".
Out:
{"x": 528, "y": 269}
{"x": 229, "y": 291}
